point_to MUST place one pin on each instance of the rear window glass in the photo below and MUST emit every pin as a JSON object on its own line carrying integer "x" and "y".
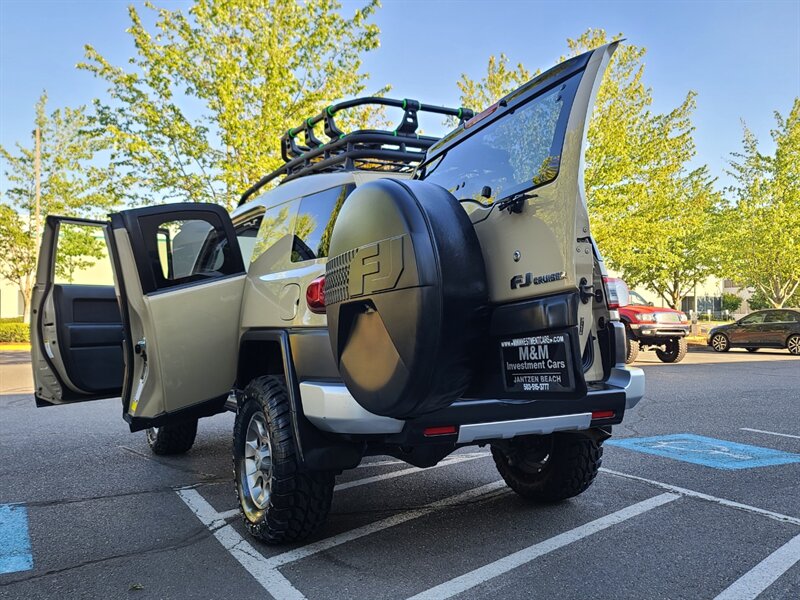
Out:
{"x": 519, "y": 151}
{"x": 314, "y": 223}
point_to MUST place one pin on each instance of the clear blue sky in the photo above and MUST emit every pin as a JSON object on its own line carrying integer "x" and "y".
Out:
{"x": 743, "y": 58}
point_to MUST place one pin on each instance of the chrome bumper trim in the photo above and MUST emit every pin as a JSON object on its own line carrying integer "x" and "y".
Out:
{"x": 631, "y": 381}
{"x": 509, "y": 429}
{"x": 331, "y": 407}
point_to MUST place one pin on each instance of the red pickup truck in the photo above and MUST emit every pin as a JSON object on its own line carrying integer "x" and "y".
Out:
{"x": 649, "y": 327}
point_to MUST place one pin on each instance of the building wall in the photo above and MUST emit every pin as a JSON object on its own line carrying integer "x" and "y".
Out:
{"x": 709, "y": 293}
{"x": 10, "y": 300}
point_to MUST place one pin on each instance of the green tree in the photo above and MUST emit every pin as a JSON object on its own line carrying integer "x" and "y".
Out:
{"x": 499, "y": 80}
{"x": 761, "y": 231}
{"x": 650, "y": 213}
{"x": 731, "y": 302}
{"x": 74, "y": 182}
{"x": 199, "y": 113}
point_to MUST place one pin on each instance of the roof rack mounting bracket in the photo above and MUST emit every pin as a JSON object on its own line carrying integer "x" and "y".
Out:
{"x": 409, "y": 124}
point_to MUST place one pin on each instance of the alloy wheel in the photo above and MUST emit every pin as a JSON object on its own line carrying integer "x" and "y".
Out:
{"x": 719, "y": 342}
{"x": 258, "y": 461}
{"x": 794, "y": 345}
{"x": 152, "y": 435}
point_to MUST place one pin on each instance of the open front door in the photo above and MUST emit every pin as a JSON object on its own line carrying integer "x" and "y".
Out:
{"x": 76, "y": 327}
{"x": 179, "y": 279}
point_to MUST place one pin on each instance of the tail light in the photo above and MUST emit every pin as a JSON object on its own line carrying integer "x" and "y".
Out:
{"x": 618, "y": 293}
{"x": 442, "y": 430}
{"x": 602, "y": 414}
{"x": 315, "y": 295}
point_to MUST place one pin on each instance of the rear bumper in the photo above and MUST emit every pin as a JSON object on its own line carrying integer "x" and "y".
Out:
{"x": 330, "y": 407}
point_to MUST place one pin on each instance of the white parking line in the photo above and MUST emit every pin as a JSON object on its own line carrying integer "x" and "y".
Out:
{"x": 722, "y": 501}
{"x": 788, "y": 435}
{"x": 265, "y": 570}
{"x": 474, "y": 578}
{"x": 374, "y": 527}
{"x": 447, "y": 461}
{"x": 764, "y": 574}
{"x": 228, "y": 514}
{"x": 247, "y": 556}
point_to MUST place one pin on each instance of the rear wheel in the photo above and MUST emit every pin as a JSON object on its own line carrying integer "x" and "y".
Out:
{"x": 793, "y": 344}
{"x": 549, "y": 468}
{"x": 719, "y": 342}
{"x": 674, "y": 351}
{"x": 175, "y": 438}
{"x": 279, "y": 502}
{"x": 631, "y": 347}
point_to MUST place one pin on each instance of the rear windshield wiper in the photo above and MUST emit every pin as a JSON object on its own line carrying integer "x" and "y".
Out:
{"x": 514, "y": 202}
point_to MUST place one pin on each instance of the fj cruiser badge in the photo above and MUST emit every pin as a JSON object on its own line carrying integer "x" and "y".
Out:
{"x": 519, "y": 281}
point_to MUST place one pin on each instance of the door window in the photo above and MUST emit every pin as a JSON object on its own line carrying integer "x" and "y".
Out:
{"x": 187, "y": 250}
{"x": 82, "y": 256}
{"x": 754, "y": 319}
{"x": 779, "y": 316}
{"x": 314, "y": 223}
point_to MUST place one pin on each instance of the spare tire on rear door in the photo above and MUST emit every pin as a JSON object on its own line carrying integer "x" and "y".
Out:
{"x": 406, "y": 297}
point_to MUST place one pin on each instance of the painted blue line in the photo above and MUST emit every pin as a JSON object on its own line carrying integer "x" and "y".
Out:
{"x": 706, "y": 451}
{"x": 15, "y": 543}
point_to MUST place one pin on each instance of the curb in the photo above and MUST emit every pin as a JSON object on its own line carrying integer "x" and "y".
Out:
{"x": 15, "y": 347}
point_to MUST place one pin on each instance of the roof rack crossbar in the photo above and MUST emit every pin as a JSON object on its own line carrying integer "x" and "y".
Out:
{"x": 402, "y": 146}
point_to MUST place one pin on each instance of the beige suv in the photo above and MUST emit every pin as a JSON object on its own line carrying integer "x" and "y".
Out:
{"x": 395, "y": 294}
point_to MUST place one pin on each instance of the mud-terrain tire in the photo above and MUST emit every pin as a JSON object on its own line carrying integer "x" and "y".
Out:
{"x": 296, "y": 502}
{"x": 175, "y": 438}
{"x": 631, "y": 347}
{"x": 674, "y": 351}
{"x": 551, "y": 468}
{"x": 406, "y": 297}
{"x": 793, "y": 344}
{"x": 720, "y": 342}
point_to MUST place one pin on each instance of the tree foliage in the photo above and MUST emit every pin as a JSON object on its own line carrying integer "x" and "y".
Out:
{"x": 650, "y": 211}
{"x": 499, "y": 80}
{"x": 731, "y": 302}
{"x": 199, "y": 113}
{"x": 74, "y": 182}
{"x": 762, "y": 226}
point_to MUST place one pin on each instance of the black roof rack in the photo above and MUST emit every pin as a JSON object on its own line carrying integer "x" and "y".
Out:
{"x": 395, "y": 151}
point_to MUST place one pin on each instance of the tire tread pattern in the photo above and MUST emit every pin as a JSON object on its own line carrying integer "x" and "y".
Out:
{"x": 300, "y": 500}
{"x": 576, "y": 460}
{"x": 674, "y": 355}
{"x": 175, "y": 438}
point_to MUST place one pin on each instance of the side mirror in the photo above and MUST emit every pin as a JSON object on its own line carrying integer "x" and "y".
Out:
{"x": 650, "y": 304}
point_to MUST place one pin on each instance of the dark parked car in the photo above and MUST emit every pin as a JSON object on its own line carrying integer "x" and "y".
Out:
{"x": 774, "y": 328}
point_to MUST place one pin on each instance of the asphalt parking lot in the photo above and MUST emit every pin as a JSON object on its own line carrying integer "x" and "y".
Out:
{"x": 698, "y": 499}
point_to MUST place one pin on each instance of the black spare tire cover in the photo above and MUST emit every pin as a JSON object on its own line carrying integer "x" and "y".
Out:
{"x": 406, "y": 296}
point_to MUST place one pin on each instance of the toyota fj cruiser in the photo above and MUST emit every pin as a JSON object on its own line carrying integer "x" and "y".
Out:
{"x": 395, "y": 294}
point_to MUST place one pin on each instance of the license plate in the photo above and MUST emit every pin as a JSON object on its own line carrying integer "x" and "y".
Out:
{"x": 540, "y": 363}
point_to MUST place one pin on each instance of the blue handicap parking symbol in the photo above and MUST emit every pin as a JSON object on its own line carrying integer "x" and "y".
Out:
{"x": 711, "y": 452}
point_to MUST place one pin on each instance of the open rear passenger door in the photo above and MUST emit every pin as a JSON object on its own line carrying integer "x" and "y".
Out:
{"x": 166, "y": 340}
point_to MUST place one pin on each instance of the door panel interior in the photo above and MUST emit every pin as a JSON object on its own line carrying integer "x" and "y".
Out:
{"x": 89, "y": 332}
